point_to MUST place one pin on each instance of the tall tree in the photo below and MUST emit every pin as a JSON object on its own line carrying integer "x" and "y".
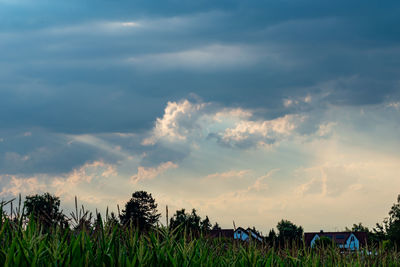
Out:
{"x": 45, "y": 209}
{"x": 392, "y": 224}
{"x": 289, "y": 232}
{"x": 373, "y": 238}
{"x": 141, "y": 211}
{"x": 205, "y": 225}
{"x": 216, "y": 226}
{"x": 192, "y": 222}
{"x": 271, "y": 238}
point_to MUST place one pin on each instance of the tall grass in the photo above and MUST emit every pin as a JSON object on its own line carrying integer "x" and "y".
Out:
{"x": 23, "y": 242}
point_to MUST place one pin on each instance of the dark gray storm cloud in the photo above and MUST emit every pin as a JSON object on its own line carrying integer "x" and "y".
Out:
{"x": 37, "y": 151}
{"x": 80, "y": 67}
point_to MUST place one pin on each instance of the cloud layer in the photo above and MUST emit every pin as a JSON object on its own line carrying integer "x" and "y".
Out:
{"x": 278, "y": 109}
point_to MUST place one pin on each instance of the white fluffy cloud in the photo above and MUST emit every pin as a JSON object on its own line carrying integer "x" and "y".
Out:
{"x": 230, "y": 126}
{"x": 179, "y": 120}
{"x": 260, "y": 132}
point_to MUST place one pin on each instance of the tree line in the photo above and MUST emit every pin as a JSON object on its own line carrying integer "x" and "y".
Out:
{"x": 141, "y": 213}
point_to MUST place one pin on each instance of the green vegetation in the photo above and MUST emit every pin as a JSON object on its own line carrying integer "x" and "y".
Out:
{"x": 28, "y": 240}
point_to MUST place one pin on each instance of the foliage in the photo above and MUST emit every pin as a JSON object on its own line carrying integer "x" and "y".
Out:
{"x": 205, "y": 225}
{"x": 124, "y": 246}
{"x": 392, "y": 224}
{"x": 323, "y": 242}
{"x": 389, "y": 231}
{"x": 111, "y": 244}
{"x": 357, "y": 228}
{"x": 373, "y": 237}
{"x": 289, "y": 232}
{"x": 271, "y": 238}
{"x": 140, "y": 211}
{"x": 216, "y": 226}
{"x": 191, "y": 223}
{"x": 45, "y": 209}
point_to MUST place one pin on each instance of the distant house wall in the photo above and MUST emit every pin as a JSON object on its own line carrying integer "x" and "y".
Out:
{"x": 255, "y": 236}
{"x": 244, "y": 235}
{"x": 241, "y": 234}
{"x": 352, "y": 243}
{"x": 345, "y": 240}
{"x": 315, "y": 238}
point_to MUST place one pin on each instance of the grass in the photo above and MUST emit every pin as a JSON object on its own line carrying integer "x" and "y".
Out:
{"x": 23, "y": 242}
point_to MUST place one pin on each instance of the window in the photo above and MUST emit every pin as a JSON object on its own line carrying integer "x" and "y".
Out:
{"x": 352, "y": 239}
{"x": 340, "y": 237}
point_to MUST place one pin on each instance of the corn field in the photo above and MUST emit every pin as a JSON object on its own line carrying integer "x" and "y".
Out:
{"x": 25, "y": 243}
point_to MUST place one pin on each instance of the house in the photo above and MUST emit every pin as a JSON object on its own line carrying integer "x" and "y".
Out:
{"x": 221, "y": 233}
{"x": 247, "y": 235}
{"x": 238, "y": 234}
{"x": 345, "y": 240}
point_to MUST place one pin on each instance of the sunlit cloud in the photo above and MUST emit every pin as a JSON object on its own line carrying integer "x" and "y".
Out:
{"x": 144, "y": 173}
{"x": 395, "y": 105}
{"x": 225, "y": 109}
{"x": 231, "y": 127}
{"x": 178, "y": 120}
{"x": 228, "y": 174}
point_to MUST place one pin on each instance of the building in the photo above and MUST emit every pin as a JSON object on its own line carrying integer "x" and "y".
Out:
{"x": 238, "y": 234}
{"x": 345, "y": 240}
{"x": 221, "y": 233}
{"x": 247, "y": 235}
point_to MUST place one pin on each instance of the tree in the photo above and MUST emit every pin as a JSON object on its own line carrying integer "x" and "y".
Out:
{"x": 324, "y": 242}
{"x": 373, "y": 238}
{"x": 389, "y": 230}
{"x": 191, "y": 223}
{"x": 357, "y": 228}
{"x": 392, "y": 224}
{"x": 289, "y": 232}
{"x": 141, "y": 211}
{"x": 205, "y": 225}
{"x": 216, "y": 226}
{"x": 271, "y": 238}
{"x": 45, "y": 209}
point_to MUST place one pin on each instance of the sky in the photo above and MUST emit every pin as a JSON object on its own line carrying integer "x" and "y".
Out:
{"x": 247, "y": 111}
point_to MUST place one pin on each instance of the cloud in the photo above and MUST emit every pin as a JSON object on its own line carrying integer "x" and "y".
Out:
{"x": 228, "y": 174}
{"x": 144, "y": 173}
{"x": 248, "y": 133}
{"x": 17, "y": 186}
{"x": 38, "y": 151}
{"x": 80, "y": 181}
{"x": 277, "y": 80}
{"x": 96, "y": 27}
{"x": 326, "y": 129}
{"x": 395, "y": 105}
{"x": 288, "y": 102}
{"x": 206, "y": 58}
{"x": 232, "y": 127}
{"x": 178, "y": 120}
{"x": 260, "y": 185}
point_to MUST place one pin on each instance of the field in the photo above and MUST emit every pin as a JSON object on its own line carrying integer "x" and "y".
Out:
{"x": 110, "y": 245}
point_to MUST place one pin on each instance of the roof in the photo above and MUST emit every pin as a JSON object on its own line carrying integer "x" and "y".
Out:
{"x": 249, "y": 231}
{"x": 338, "y": 237}
{"x": 228, "y": 233}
